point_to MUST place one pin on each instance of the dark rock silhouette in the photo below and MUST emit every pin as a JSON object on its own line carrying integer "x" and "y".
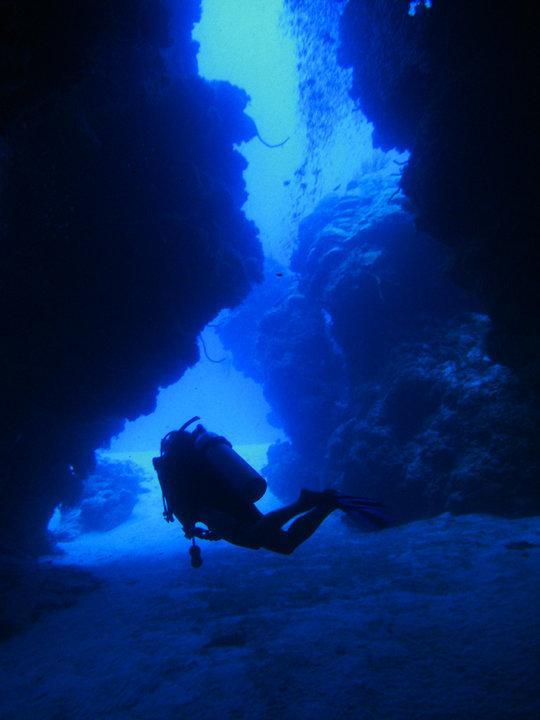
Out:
{"x": 108, "y": 497}
{"x": 110, "y": 494}
{"x": 456, "y": 85}
{"x": 123, "y": 235}
{"x": 377, "y": 367}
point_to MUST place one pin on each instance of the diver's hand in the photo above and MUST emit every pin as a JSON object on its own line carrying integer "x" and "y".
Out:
{"x": 211, "y": 535}
{"x": 202, "y": 534}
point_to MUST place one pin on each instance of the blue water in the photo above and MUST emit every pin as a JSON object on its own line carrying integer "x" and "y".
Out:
{"x": 252, "y": 45}
{"x": 435, "y": 620}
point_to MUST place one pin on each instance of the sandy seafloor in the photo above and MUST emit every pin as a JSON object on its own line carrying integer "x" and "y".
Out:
{"x": 437, "y": 619}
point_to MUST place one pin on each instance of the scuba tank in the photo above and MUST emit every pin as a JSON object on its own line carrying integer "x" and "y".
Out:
{"x": 235, "y": 473}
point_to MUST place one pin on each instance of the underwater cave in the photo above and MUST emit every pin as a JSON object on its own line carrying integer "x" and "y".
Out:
{"x": 311, "y": 226}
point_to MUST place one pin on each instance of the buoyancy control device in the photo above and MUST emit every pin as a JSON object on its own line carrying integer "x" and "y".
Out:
{"x": 185, "y": 455}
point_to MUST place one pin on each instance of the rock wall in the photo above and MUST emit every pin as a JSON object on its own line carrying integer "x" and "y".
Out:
{"x": 120, "y": 196}
{"x": 108, "y": 498}
{"x": 377, "y": 367}
{"x": 456, "y": 85}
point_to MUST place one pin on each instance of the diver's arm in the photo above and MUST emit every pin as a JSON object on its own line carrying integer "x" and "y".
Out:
{"x": 192, "y": 530}
{"x": 187, "y": 512}
{"x": 189, "y": 530}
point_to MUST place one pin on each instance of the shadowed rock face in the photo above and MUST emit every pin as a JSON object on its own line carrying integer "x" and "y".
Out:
{"x": 108, "y": 498}
{"x": 376, "y": 366}
{"x": 456, "y": 85}
{"x": 123, "y": 235}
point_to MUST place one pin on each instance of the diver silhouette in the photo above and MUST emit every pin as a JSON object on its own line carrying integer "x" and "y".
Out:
{"x": 203, "y": 480}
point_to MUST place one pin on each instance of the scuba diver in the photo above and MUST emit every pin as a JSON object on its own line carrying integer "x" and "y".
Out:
{"x": 204, "y": 480}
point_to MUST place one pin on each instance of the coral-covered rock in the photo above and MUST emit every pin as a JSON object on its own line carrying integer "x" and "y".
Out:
{"x": 108, "y": 498}
{"x": 377, "y": 367}
{"x": 106, "y": 510}
{"x": 122, "y": 232}
{"x": 448, "y": 430}
{"x": 455, "y": 84}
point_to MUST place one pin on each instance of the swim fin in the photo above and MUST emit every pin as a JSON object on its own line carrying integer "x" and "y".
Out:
{"x": 370, "y": 512}
{"x": 356, "y": 500}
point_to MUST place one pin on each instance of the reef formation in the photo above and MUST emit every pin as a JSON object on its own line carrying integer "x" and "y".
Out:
{"x": 455, "y": 84}
{"x": 123, "y": 235}
{"x": 404, "y": 360}
{"x": 376, "y": 365}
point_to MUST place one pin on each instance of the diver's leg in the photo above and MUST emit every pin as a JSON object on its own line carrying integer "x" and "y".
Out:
{"x": 277, "y": 518}
{"x": 307, "y": 500}
{"x": 286, "y": 542}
